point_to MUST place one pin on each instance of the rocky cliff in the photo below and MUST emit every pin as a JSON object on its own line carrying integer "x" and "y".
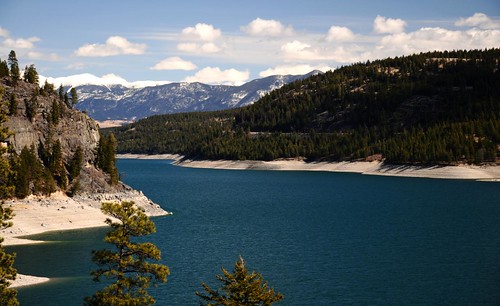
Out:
{"x": 39, "y": 118}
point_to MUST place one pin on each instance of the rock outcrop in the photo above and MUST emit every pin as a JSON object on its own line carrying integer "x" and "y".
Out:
{"x": 73, "y": 128}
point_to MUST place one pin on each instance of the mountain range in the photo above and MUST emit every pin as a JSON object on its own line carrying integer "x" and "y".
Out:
{"x": 118, "y": 102}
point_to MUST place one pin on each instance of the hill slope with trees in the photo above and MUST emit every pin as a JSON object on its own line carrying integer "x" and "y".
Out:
{"x": 428, "y": 108}
{"x": 46, "y": 144}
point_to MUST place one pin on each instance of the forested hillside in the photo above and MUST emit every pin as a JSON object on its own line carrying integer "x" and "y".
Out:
{"x": 45, "y": 144}
{"x": 431, "y": 108}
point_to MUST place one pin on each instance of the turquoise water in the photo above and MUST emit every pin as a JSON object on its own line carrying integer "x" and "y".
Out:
{"x": 318, "y": 238}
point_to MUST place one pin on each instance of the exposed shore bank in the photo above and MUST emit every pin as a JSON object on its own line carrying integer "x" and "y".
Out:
{"x": 38, "y": 214}
{"x": 468, "y": 172}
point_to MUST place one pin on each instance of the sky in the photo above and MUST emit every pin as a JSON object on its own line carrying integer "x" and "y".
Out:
{"x": 141, "y": 43}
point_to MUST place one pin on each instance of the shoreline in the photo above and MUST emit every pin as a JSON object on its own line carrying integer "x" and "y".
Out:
{"x": 466, "y": 172}
{"x": 58, "y": 212}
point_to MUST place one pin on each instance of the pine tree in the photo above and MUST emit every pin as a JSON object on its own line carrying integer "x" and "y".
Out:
{"x": 106, "y": 157}
{"x": 31, "y": 75}
{"x": 240, "y": 288}
{"x": 55, "y": 113}
{"x": 74, "y": 97}
{"x": 61, "y": 92}
{"x": 66, "y": 99}
{"x": 30, "y": 107}
{"x": 7, "y": 271}
{"x": 6, "y": 188}
{"x": 75, "y": 165}
{"x": 4, "y": 69}
{"x": 12, "y": 104}
{"x": 129, "y": 265}
{"x": 14, "y": 68}
{"x": 57, "y": 165}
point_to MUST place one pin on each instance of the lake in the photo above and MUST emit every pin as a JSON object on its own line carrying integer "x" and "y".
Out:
{"x": 318, "y": 238}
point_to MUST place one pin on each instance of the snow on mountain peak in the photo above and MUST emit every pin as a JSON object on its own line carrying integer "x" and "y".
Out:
{"x": 106, "y": 80}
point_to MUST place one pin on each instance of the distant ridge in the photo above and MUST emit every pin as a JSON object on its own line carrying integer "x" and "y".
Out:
{"x": 118, "y": 102}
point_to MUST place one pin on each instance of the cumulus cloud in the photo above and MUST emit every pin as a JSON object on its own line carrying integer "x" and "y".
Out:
{"x": 42, "y": 56}
{"x": 297, "y": 50}
{"x": 339, "y": 34}
{"x": 198, "y": 48}
{"x": 201, "y": 31}
{"x": 105, "y": 80}
{"x": 267, "y": 27}
{"x": 24, "y": 47}
{"x": 435, "y": 38}
{"x": 115, "y": 45}
{"x": 382, "y": 25}
{"x": 199, "y": 39}
{"x": 478, "y": 20}
{"x": 174, "y": 63}
{"x": 4, "y": 32}
{"x": 20, "y": 43}
{"x": 214, "y": 75}
{"x": 293, "y": 69}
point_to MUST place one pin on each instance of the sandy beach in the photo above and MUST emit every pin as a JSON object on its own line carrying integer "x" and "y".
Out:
{"x": 468, "y": 172}
{"x": 38, "y": 214}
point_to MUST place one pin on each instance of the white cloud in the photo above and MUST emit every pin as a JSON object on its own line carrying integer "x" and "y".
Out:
{"x": 115, "y": 45}
{"x": 214, "y": 75}
{"x": 105, "y": 80}
{"x": 201, "y": 31}
{"x": 382, "y": 25}
{"x": 478, "y": 20}
{"x": 430, "y": 39}
{"x": 188, "y": 47}
{"x": 293, "y": 70}
{"x": 199, "y": 39}
{"x": 267, "y": 27}
{"x": 42, "y": 56}
{"x": 297, "y": 50}
{"x": 174, "y": 63}
{"x": 25, "y": 47}
{"x": 4, "y": 32}
{"x": 198, "y": 48}
{"x": 20, "y": 43}
{"x": 76, "y": 66}
{"x": 339, "y": 34}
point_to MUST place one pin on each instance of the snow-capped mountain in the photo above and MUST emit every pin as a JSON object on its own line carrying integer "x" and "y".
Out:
{"x": 118, "y": 102}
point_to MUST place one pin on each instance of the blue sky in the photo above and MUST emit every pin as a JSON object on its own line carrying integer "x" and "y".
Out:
{"x": 231, "y": 42}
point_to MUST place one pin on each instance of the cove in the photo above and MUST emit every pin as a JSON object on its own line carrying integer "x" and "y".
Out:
{"x": 319, "y": 238}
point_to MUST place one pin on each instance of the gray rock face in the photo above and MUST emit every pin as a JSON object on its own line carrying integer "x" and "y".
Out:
{"x": 42, "y": 128}
{"x": 73, "y": 129}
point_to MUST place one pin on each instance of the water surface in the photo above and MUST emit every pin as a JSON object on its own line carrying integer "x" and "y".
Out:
{"x": 318, "y": 238}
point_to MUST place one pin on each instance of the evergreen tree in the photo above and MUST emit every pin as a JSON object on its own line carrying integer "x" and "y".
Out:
{"x": 4, "y": 69}
{"x": 74, "y": 96}
{"x": 31, "y": 75}
{"x": 75, "y": 165}
{"x": 7, "y": 271}
{"x": 57, "y": 165}
{"x": 129, "y": 265}
{"x": 14, "y": 68}
{"x": 31, "y": 177}
{"x": 106, "y": 156}
{"x": 240, "y": 288}
{"x": 6, "y": 188}
{"x": 30, "y": 107}
{"x": 12, "y": 104}
{"x": 61, "y": 92}
{"x": 66, "y": 99}
{"x": 55, "y": 113}
{"x": 48, "y": 88}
